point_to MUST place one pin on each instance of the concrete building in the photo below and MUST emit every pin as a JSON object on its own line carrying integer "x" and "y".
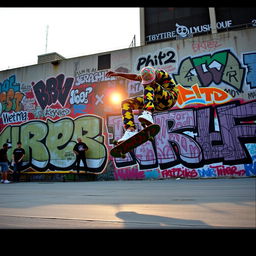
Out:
{"x": 210, "y": 132}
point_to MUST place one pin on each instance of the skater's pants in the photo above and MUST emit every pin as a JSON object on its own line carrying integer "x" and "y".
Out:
{"x": 155, "y": 98}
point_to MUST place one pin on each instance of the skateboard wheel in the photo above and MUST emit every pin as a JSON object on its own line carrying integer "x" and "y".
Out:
{"x": 123, "y": 155}
{"x": 115, "y": 142}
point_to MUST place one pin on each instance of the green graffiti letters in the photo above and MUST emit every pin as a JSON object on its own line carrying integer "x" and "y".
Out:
{"x": 49, "y": 145}
{"x": 219, "y": 67}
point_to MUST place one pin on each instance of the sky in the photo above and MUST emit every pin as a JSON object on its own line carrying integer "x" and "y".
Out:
{"x": 72, "y": 32}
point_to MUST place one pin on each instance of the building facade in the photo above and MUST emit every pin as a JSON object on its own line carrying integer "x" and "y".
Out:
{"x": 209, "y": 133}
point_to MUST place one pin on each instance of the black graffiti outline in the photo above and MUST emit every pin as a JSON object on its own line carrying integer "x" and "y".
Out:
{"x": 49, "y": 165}
{"x": 45, "y": 91}
{"x": 188, "y": 74}
{"x": 249, "y": 68}
{"x": 216, "y": 139}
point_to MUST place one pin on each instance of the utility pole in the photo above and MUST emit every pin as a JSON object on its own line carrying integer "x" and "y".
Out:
{"x": 46, "y": 38}
{"x": 133, "y": 43}
{"x": 142, "y": 26}
{"x": 213, "y": 20}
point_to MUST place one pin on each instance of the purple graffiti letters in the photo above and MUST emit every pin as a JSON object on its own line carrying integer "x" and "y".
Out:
{"x": 237, "y": 129}
{"x": 173, "y": 144}
{"x": 146, "y": 161}
{"x": 196, "y": 137}
{"x": 227, "y": 145}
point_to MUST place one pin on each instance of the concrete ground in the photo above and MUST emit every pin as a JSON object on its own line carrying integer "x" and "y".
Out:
{"x": 154, "y": 204}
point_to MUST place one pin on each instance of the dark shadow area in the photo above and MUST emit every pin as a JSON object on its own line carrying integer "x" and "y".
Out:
{"x": 132, "y": 219}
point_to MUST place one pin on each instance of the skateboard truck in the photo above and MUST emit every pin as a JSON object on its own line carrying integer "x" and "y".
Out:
{"x": 115, "y": 142}
{"x": 145, "y": 124}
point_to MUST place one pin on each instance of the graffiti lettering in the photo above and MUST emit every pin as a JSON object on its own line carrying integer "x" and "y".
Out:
{"x": 10, "y": 83}
{"x": 95, "y": 77}
{"x": 205, "y": 45}
{"x": 208, "y": 172}
{"x": 49, "y": 145}
{"x": 228, "y": 170}
{"x": 161, "y": 57}
{"x": 228, "y": 144}
{"x": 250, "y": 61}
{"x": 190, "y": 137}
{"x": 10, "y": 95}
{"x": 196, "y": 95}
{"x": 82, "y": 97}
{"x": 222, "y": 66}
{"x": 250, "y": 169}
{"x": 233, "y": 93}
{"x": 15, "y": 117}
{"x": 251, "y": 95}
{"x": 131, "y": 173}
{"x": 55, "y": 89}
{"x": 29, "y": 104}
{"x": 53, "y": 112}
{"x": 11, "y": 100}
{"x": 179, "y": 172}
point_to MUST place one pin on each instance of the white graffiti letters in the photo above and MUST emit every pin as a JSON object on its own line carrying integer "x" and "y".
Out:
{"x": 78, "y": 98}
{"x": 14, "y": 117}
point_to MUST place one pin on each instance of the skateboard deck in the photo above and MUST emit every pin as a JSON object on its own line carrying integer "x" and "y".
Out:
{"x": 141, "y": 137}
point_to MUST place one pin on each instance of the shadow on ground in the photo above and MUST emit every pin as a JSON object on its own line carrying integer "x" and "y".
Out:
{"x": 131, "y": 219}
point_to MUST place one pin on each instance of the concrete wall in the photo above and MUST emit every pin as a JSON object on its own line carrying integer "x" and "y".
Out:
{"x": 211, "y": 131}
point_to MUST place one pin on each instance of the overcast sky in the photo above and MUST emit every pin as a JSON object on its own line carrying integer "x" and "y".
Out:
{"x": 72, "y": 32}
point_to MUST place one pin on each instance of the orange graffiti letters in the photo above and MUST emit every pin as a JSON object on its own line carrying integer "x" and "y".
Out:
{"x": 199, "y": 95}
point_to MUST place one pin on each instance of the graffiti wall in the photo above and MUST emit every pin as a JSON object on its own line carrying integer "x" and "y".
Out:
{"x": 209, "y": 133}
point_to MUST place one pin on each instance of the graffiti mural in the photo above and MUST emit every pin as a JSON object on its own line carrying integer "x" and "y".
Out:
{"x": 48, "y": 124}
{"x": 49, "y": 145}
{"x": 55, "y": 89}
{"x": 207, "y": 140}
{"x": 10, "y": 95}
{"x": 221, "y": 66}
{"x": 250, "y": 61}
{"x": 193, "y": 138}
{"x": 198, "y": 95}
{"x": 209, "y": 133}
{"x": 162, "y": 57}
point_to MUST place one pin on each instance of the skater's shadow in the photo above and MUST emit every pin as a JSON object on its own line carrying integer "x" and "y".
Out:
{"x": 137, "y": 220}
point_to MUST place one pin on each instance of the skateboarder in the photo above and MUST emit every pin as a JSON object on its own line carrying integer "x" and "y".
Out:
{"x": 160, "y": 93}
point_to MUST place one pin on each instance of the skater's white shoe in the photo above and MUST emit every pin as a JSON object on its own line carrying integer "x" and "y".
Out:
{"x": 128, "y": 134}
{"x": 146, "y": 118}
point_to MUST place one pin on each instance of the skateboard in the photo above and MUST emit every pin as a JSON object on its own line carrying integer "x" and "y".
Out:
{"x": 141, "y": 137}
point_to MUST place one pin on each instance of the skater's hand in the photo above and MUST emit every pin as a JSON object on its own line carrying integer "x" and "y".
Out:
{"x": 110, "y": 73}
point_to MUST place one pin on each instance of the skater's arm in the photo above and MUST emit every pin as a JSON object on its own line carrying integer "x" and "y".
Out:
{"x": 133, "y": 77}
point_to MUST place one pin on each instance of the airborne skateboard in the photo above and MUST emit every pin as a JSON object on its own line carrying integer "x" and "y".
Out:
{"x": 141, "y": 137}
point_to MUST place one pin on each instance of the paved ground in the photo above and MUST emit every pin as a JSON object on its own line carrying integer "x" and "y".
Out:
{"x": 196, "y": 204}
